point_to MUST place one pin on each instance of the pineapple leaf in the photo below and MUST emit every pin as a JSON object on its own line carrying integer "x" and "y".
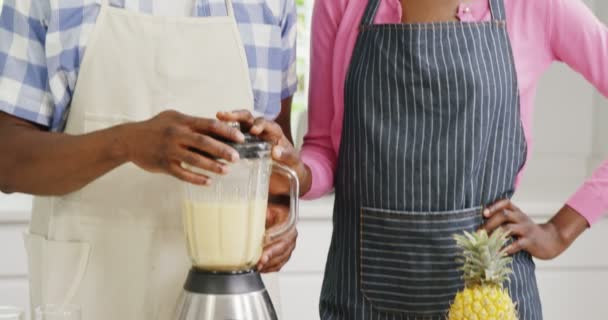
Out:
{"x": 483, "y": 258}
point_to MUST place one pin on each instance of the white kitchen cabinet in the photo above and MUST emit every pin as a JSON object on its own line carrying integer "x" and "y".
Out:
{"x": 14, "y": 292}
{"x": 14, "y": 213}
{"x": 572, "y": 286}
{"x": 11, "y": 240}
{"x": 574, "y": 294}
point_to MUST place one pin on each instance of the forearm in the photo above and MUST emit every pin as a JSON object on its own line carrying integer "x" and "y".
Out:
{"x": 568, "y": 224}
{"x": 284, "y": 118}
{"x": 320, "y": 161}
{"x": 43, "y": 163}
{"x": 305, "y": 180}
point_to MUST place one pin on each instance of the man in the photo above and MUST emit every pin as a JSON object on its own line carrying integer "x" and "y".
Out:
{"x": 101, "y": 102}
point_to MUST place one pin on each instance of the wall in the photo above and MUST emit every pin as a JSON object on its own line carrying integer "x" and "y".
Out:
{"x": 572, "y": 287}
{"x": 13, "y": 275}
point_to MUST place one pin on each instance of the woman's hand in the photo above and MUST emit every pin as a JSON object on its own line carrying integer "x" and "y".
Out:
{"x": 543, "y": 241}
{"x": 282, "y": 151}
{"x": 277, "y": 252}
{"x": 164, "y": 142}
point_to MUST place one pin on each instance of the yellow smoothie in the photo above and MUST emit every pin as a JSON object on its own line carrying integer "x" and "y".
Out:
{"x": 225, "y": 236}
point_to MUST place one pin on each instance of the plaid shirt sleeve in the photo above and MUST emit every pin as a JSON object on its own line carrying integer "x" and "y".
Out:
{"x": 288, "y": 35}
{"x": 24, "y": 83}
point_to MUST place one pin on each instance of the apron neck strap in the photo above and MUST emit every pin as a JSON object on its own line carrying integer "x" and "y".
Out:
{"x": 370, "y": 12}
{"x": 229, "y": 8}
{"x": 497, "y": 8}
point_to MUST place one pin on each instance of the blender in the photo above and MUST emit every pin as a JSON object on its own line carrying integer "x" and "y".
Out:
{"x": 225, "y": 227}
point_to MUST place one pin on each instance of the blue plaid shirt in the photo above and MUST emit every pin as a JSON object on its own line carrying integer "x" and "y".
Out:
{"x": 42, "y": 43}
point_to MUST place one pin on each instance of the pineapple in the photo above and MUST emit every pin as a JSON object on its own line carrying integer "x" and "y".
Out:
{"x": 486, "y": 267}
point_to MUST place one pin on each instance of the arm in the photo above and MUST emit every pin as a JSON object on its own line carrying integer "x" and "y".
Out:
{"x": 317, "y": 152}
{"x": 580, "y": 40}
{"x": 45, "y": 163}
{"x": 33, "y": 160}
{"x": 284, "y": 118}
{"x": 40, "y": 162}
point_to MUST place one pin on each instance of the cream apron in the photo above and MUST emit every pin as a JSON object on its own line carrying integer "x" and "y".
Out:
{"x": 116, "y": 247}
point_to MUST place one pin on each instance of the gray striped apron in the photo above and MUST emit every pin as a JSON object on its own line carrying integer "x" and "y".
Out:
{"x": 431, "y": 134}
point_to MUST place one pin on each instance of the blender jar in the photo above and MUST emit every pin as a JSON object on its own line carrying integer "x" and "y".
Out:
{"x": 225, "y": 223}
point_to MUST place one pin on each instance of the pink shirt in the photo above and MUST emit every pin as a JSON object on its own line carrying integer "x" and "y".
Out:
{"x": 541, "y": 32}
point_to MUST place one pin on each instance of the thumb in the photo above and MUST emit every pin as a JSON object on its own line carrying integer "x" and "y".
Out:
{"x": 285, "y": 155}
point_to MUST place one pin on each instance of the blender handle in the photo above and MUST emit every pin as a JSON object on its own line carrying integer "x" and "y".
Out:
{"x": 294, "y": 202}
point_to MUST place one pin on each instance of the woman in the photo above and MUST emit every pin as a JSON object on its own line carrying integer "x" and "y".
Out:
{"x": 425, "y": 118}
{"x": 100, "y": 103}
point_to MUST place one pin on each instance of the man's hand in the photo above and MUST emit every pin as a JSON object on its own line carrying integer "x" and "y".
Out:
{"x": 164, "y": 142}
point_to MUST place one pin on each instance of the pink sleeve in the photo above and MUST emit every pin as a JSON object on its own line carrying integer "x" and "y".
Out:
{"x": 591, "y": 200}
{"x": 318, "y": 152}
{"x": 580, "y": 40}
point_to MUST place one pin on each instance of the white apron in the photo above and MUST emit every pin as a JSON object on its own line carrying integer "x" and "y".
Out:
{"x": 117, "y": 247}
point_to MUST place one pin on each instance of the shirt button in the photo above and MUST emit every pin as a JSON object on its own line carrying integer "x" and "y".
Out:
{"x": 465, "y": 13}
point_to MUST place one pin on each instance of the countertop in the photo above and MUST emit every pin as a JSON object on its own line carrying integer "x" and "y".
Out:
{"x": 16, "y": 208}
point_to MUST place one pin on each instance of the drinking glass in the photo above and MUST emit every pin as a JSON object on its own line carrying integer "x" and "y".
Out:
{"x": 58, "y": 312}
{"x": 10, "y": 313}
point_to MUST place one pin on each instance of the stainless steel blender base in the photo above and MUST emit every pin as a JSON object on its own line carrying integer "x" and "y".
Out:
{"x": 224, "y": 296}
{"x": 252, "y": 306}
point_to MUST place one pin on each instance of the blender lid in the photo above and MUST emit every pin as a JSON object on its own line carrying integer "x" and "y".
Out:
{"x": 252, "y": 148}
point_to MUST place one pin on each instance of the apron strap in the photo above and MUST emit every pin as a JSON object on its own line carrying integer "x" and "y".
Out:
{"x": 370, "y": 12}
{"x": 229, "y": 8}
{"x": 497, "y": 8}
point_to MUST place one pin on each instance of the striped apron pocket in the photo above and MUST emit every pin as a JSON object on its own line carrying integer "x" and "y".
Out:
{"x": 408, "y": 259}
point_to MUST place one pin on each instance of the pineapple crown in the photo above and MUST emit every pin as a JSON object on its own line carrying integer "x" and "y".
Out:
{"x": 484, "y": 259}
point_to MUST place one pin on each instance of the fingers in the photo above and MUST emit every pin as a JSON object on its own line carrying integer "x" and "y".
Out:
{"x": 215, "y": 127}
{"x": 282, "y": 150}
{"x": 244, "y": 117}
{"x": 500, "y": 213}
{"x": 498, "y": 206}
{"x": 276, "y": 255}
{"x": 497, "y": 219}
{"x": 288, "y": 156}
{"x": 267, "y": 130}
{"x": 518, "y": 245}
{"x": 270, "y": 131}
{"x": 515, "y": 230}
{"x": 211, "y": 146}
{"x": 506, "y": 215}
{"x": 275, "y": 265}
{"x": 276, "y": 214}
{"x": 188, "y": 176}
{"x": 196, "y": 160}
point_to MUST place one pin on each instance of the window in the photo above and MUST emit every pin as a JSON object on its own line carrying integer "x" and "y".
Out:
{"x": 300, "y": 101}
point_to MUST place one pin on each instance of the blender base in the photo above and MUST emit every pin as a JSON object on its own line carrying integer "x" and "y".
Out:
{"x": 224, "y": 296}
